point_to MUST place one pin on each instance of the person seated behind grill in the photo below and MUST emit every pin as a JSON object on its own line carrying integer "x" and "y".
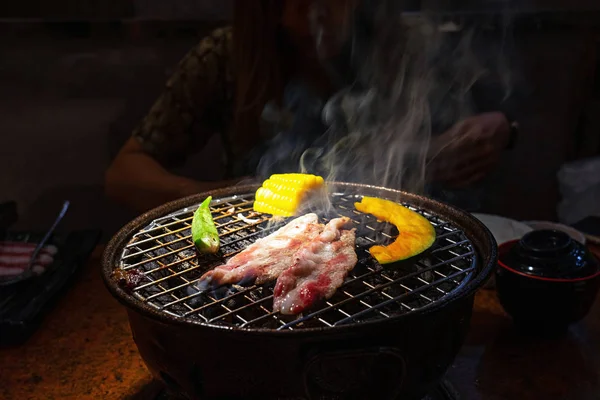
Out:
{"x": 226, "y": 85}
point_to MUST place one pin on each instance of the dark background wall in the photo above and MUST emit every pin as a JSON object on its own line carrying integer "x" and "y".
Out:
{"x": 71, "y": 93}
{"x": 208, "y": 9}
{"x": 115, "y": 9}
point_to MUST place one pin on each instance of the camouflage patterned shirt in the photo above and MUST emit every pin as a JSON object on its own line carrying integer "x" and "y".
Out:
{"x": 196, "y": 103}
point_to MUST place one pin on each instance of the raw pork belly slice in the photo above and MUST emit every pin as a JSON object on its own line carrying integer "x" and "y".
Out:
{"x": 268, "y": 257}
{"x": 319, "y": 269}
{"x": 15, "y": 257}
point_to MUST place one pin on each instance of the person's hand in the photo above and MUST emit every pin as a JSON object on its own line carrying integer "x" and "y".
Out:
{"x": 469, "y": 150}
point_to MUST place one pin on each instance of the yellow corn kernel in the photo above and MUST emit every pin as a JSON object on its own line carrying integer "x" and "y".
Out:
{"x": 282, "y": 194}
{"x": 288, "y": 202}
{"x": 269, "y": 209}
{"x": 300, "y": 181}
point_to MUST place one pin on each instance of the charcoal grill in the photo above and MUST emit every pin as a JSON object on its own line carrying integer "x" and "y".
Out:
{"x": 362, "y": 340}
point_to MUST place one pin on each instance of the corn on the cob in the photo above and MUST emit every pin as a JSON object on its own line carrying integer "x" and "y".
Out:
{"x": 282, "y": 194}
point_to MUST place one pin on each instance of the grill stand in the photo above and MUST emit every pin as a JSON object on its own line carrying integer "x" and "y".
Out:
{"x": 193, "y": 357}
{"x": 444, "y": 391}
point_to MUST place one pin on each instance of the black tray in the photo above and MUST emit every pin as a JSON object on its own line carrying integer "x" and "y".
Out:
{"x": 23, "y": 305}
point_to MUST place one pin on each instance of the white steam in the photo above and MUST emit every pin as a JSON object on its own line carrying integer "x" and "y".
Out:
{"x": 408, "y": 74}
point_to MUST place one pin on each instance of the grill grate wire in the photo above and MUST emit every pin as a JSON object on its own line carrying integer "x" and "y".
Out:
{"x": 164, "y": 253}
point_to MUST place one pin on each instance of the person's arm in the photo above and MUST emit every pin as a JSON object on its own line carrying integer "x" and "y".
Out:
{"x": 179, "y": 122}
{"x": 493, "y": 96}
{"x": 140, "y": 182}
{"x": 472, "y": 148}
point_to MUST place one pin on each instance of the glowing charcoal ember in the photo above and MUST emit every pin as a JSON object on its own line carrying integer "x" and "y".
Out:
{"x": 319, "y": 269}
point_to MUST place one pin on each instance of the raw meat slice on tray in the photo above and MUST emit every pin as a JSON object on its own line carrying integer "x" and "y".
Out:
{"x": 15, "y": 257}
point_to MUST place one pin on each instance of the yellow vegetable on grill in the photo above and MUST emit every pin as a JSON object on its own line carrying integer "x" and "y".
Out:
{"x": 416, "y": 234}
{"x": 282, "y": 194}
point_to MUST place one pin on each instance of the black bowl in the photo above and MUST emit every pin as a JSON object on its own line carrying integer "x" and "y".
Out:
{"x": 546, "y": 281}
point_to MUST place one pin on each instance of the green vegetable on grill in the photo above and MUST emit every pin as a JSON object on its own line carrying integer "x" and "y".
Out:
{"x": 204, "y": 231}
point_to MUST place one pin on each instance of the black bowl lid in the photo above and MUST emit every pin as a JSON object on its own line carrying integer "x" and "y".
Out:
{"x": 551, "y": 254}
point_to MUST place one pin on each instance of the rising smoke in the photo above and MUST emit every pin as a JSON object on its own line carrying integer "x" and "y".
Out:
{"x": 411, "y": 80}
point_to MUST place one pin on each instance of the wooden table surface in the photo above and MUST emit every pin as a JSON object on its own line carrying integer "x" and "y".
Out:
{"x": 84, "y": 350}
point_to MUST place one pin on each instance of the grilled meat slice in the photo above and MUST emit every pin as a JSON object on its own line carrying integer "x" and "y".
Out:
{"x": 319, "y": 269}
{"x": 268, "y": 257}
{"x": 128, "y": 280}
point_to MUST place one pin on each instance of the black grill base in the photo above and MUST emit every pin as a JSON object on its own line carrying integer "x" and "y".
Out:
{"x": 402, "y": 354}
{"x": 444, "y": 391}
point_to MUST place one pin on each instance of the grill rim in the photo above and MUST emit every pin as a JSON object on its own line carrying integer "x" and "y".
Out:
{"x": 480, "y": 236}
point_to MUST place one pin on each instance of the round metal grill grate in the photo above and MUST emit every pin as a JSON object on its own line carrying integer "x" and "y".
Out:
{"x": 164, "y": 254}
